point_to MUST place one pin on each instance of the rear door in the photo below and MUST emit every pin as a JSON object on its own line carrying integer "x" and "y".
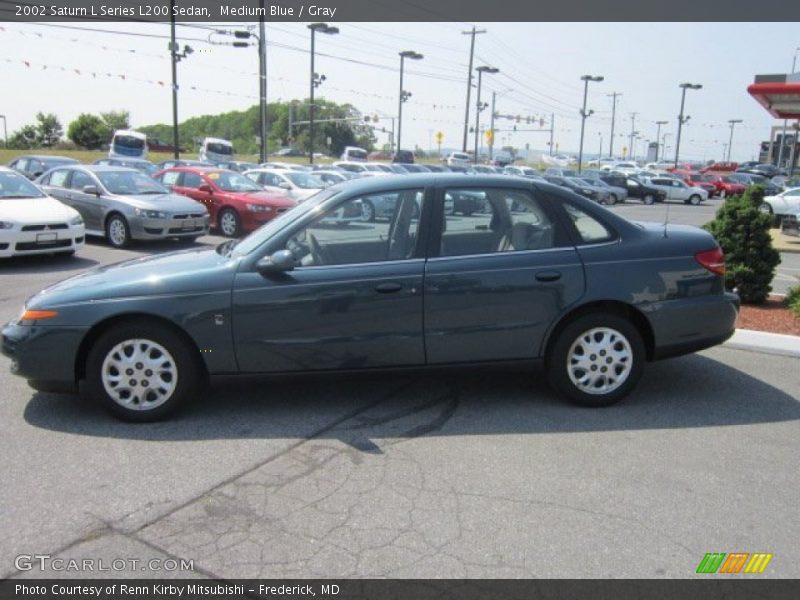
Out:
{"x": 498, "y": 278}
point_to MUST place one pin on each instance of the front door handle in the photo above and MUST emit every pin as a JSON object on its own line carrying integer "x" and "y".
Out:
{"x": 548, "y": 276}
{"x": 388, "y": 288}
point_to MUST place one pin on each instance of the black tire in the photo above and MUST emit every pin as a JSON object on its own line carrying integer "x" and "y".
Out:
{"x": 183, "y": 363}
{"x": 65, "y": 253}
{"x": 118, "y": 233}
{"x": 648, "y": 199}
{"x": 625, "y": 335}
{"x": 695, "y": 199}
{"x": 229, "y": 223}
{"x": 367, "y": 211}
{"x": 188, "y": 240}
{"x": 612, "y": 199}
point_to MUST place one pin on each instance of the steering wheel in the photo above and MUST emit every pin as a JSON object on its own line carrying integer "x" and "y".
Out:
{"x": 315, "y": 249}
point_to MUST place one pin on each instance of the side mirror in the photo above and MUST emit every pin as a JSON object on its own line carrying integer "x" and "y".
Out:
{"x": 204, "y": 187}
{"x": 36, "y": 174}
{"x": 278, "y": 262}
{"x": 285, "y": 185}
{"x": 91, "y": 189}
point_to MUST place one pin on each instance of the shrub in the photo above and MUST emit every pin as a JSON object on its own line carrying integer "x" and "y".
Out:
{"x": 793, "y": 299}
{"x": 743, "y": 232}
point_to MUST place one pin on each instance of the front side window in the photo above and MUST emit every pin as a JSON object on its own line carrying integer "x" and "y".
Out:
{"x": 485, "y": 221}
{"x": 342, "y": 235}
{"x": 230, "y": 181}
{"x": 192, "y": 180}
{"x": 80, "y": 180}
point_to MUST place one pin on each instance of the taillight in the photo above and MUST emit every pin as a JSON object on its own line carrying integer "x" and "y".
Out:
{"x": 713, "y": 260}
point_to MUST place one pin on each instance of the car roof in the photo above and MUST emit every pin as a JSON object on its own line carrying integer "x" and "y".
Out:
{"x": 44, "y": 157}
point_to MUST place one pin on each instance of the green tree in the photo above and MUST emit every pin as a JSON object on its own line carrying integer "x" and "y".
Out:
{"x": 24, "y": 138}
{"x": 116, "y": 119}
{"x": 88, "y": 131}
{"x": 48, "y": 129}
{"x": 743, "y": 232}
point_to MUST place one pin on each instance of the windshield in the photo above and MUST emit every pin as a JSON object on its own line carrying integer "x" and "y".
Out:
{"x": 128, "y": 141}
{"x": 217, "y": 148}
{"x": 129, "y": 183}
{"x": 229, "y": 181}
{"x": 362, "y": 154}
{"x": 266, "y": 231}
{"x": 304, "y": 180}
{"x": 14, "y": 185}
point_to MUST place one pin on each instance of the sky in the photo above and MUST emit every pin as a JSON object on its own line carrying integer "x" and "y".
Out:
{"x": 73, "y": 68}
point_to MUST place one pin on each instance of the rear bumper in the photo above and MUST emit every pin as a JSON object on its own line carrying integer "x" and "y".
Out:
{"x": 691, "y": 324}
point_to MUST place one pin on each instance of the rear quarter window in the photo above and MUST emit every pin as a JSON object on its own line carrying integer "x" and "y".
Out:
{"x": 590, "y": 230}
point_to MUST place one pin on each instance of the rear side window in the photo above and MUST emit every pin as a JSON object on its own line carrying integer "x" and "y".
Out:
{"x": 590, "y": 230}
{"x": 170, "y": 178}
{"x": 59, "y": 178}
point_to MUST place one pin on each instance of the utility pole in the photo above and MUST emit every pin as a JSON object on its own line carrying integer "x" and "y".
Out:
{"x": 658, "y": 135}
{"x": 5, "y": 131}
{"x": 584, "y": 113}
{"x": 472, "y": 33}
{"x": 552, "y": 130}
{"x": 262, "y": 89}
{"x": 613, "y": 97}
{"x": 491, "y": 128}
{"x": 681, "y": 119}
{"x": 173, "y": 51}
{"x": 732, "y": 123}
{"x": 786, "y": 121}
{"x": 633, "y": 132}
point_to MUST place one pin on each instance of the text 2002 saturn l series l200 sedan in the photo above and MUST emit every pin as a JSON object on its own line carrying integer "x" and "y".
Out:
{"x": 536, "y": 273}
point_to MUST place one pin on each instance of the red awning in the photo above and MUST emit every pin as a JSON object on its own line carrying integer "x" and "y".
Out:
{"x": 782, "y": 100}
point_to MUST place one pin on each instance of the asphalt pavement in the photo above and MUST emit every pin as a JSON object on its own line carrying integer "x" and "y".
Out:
{"x": 436, "y": 474}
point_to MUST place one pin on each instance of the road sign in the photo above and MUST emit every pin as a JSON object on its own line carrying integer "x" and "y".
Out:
{"x": 489, "y": 136}
{"x": 439, "y": 137}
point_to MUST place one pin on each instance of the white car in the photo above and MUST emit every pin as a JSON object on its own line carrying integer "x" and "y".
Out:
{"x": 31, "y": 222}
{"x": 783, "y": 204}
{"x": 629, "y": 168}
{"x": 677, "y": 189}
{"x": 298, "y": 185}
{"x": 457, "y": 159}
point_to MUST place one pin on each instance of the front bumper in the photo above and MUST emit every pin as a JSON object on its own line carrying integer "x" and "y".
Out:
{"x": 15, "y": 242}
{"x": 45, "y": 356}
{"x": 144, "y": 228}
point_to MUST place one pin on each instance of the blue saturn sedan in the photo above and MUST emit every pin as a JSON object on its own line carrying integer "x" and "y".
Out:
{"x": 535, "y": 273}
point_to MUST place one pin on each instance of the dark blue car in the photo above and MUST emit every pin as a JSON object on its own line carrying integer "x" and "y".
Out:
{"x": 536, "y": 273}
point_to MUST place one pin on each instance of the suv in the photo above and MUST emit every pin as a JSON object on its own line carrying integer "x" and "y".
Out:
{"x": 638, "y": 189}
{"x": 403, "y": 156}
{"x": 458, "y": 159}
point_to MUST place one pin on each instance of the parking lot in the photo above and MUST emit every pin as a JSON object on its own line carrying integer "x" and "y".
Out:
{"x": 435, "y": 474}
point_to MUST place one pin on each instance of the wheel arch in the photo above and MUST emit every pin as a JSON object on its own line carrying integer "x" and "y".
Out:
{"x": 616, "y": 307}
{"x": 101, "y": 327}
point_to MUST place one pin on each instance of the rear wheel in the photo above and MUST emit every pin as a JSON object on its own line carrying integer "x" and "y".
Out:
{"x": 596, "y": 360}
{"x": 612, "y": 199}
{"x": 229, "y": 223}
{"x": 141, "y": 371}
{"x": 766, "y": 208}
{"x": 648, "y": 199}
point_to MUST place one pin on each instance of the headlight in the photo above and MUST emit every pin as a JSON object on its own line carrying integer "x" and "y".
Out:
{"x": 258, "y": 208}
{"x": 150, "y": 214}
{"x": 6, "y": 225}
{"x": 77, "y": 220}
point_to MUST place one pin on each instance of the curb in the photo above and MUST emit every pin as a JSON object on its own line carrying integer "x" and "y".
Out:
{"x": 768, "y": 343}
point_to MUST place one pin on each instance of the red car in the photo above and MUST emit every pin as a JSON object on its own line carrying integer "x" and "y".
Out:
{"x": 235, "y": 203}
{"x": 693, "y": 178}
{"x": 727, "y": 186}
{"x": 720, "y": 167}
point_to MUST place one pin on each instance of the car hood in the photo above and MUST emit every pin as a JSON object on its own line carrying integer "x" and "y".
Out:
{"x": 269, "y": 198}
{"x": 175, "y": 273}
{"x": 35, "y": 210}
{"x": 164, "y": 202}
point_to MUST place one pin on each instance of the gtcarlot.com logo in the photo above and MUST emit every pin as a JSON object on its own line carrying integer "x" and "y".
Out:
{"x": 734, "y": 563}
{"x": 45, "y": 562}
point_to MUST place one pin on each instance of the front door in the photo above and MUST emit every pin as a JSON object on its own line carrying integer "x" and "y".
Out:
{"x": 353, "y": 301}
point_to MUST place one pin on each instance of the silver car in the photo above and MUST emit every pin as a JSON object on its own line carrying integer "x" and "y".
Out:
{"x": 676, "y": 189}
{"x": 122, "y": 204}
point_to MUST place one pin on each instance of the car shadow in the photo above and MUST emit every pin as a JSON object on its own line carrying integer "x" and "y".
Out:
{"x": 687, "y": 392}
{"x": 20, "y": 265}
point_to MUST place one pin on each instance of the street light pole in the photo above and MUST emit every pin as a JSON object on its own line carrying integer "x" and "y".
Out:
{"x": 658, "y": 135}
{"x": 5, "y": 131}
{"x": 479, "y": 107}
{"x": 315, "y": 81}
{"x": 786, "y": 121}
{"x": 586, "y": 79}
{"x": 613, "y": 97}
{"x": 472, "y": 33}
{"x": 732, "y": 123}
{"x": 262, "y": 88}
{"x": 404, "y": 95}
{"x": 681, "y": 118}
{"x": 491, "y": 128}
{"x": 175, "y": 57}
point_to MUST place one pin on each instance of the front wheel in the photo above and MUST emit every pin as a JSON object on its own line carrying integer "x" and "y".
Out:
{"x": 612, "y": 199}
{"x": 649, "y": 199}
{"x": 118, "y": 234}
{"x": 141, "y": 371}
{"x": 694, "y": 199}
{"x": 596, "y": 360}
{"x": 229, "y": 223}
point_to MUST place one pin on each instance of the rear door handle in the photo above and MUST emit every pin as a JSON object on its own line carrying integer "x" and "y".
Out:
{"x": 388, "y": 288}
{"x": 548, "y": 276}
